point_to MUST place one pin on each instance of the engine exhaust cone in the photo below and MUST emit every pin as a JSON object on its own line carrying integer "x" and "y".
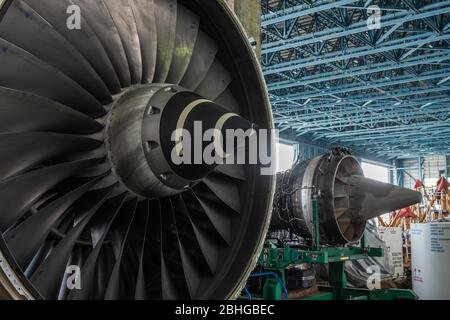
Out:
{"x": 346, "y": 199}
{"x": 372, "y": 198}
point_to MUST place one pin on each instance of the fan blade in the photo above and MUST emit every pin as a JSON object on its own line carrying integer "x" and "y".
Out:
{"x": 99, "y": 18}
{"x": 186, "y": 33}
{"x": 20, "y": 151}
{"x": 235, "y": 171}
{"x": 25, "y": 112}
{"x": 219, "y": 217}
{"x": 18, "y": 194}
{"x": 168, "y": 288}
{"x": 227, "y": 100}
{"x": 100, "y": 228}
{"x": 131, "y": 258}
{"x": 47, "y": 278}
{"x": 191, "y": 272}
{"x": 144, "y": 13}
{"x": 174, "y": 284}
{"x": 83, "y": 39}
{"x": 192, "y": 266}
{"x": 119, "y": 238}
{"x": 29, "y": 31}
{"x": 215, "y": 82}
{"x": 39, "y": 257}
{"x": 166, "y": 20}
{"x": 23, "y": 71}
{"x": 206, "y": 242}
{"x": 205, "y": 51}
{"x": 225, "y": 189}
{"x": 141, "y": 286}
{"x": 153, "y": 251}
{"x": 76, "y": 259}
{"x": 123, "y": 17}
{"x": 25, "y": 239}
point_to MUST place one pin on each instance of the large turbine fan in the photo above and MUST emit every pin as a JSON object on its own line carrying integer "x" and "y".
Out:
{"x": 85, "y": 178}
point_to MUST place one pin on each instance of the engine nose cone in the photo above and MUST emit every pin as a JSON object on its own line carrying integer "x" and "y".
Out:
{"x": 156, "y": 138}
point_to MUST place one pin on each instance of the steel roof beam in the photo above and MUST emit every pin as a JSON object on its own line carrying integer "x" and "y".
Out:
{"x": 434, "y": 57}
{"x": 393, "y": 94}
{"x": 407, "y": 42}
{"x": 289, "y": 107}
{"x": 428, "y": 102}
{"x": 301, "y": 11}
{"x": 372, "y": 120}
{"x": 367, "y": 133}
{"x": 435, "y": 74}
{"x": 392, "y": 20}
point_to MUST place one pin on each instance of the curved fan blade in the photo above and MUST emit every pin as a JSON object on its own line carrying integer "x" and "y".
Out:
{"x": 99, "y": 18}
{"x": 23, "y": 71}
{"x": 186, "y": 34}
{"x": 166, "y": 20}
{"x": 173, "y": 278}
{"x": 24, "y": 112}
{"x": 193, "y": 265}
{"x": 208, "y": 245}
{"x": 47, "y": 278}
{"x": 76, "y": 259}
{"x": 153, "y": 253}
{"x": 123, "y": 17}
{"x": 25, "y": 239}
{"x": 84, "y": 38}
{"x": 18, "y": 194}
{"x": 227, "y": 100}
{"x": 169, "y": 291}
{"x": 191, "y": 272}
{"x": 141, "y": 285}
{"x": 100, "y": 228}
{"x": 28, "y": 30}
{"x": 144, "y": 13}
{"x": 205, "y": 51}
{"x": 39, "y": 257}
{"x": 225, "y": 189}
{"x": 219, "y": 217}
{"x": 20, "y": 151}
{"x": 119, "y": 237}
{"x": 215, "y": 82}
{"x": 235, "y": 171}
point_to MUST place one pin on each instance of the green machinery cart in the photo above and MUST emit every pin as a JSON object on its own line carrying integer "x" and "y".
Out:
{"x": 275, "y": 260}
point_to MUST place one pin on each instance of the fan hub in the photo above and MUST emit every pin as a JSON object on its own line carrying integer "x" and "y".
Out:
{"x": 149, "y": 131}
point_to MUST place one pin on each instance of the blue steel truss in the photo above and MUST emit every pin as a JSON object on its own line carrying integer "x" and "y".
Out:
{"x": 333, "y": 78}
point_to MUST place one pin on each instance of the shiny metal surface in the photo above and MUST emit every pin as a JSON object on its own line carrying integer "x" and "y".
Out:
{"x": 166, "y": 25}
